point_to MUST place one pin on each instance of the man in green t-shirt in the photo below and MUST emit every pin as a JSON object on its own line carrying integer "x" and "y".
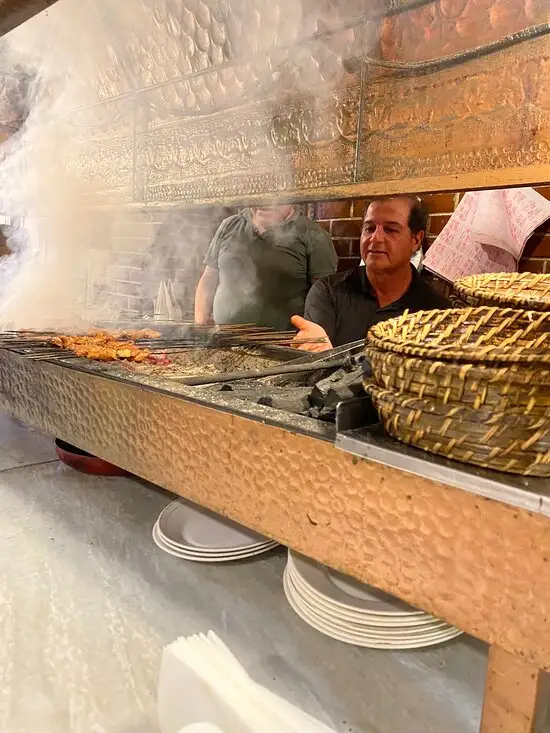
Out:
{"x": 260, "y": 266}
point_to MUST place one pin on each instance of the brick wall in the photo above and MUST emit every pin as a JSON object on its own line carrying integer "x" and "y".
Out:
{"x": 115, "y": 258}
{"x": 342, "y": 220}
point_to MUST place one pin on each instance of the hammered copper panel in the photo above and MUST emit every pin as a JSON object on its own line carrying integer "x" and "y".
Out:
{"x": 447, "y": 27}
{"x": 477, "y": 563}
{"x": 229, "y": 101}
{"x": 493, "y": 114}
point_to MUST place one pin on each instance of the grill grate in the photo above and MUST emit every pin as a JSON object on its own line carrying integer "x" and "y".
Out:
{"x": 36, "y": 345}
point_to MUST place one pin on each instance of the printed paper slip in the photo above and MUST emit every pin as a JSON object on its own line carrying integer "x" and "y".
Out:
{"x": 487, "y": 233}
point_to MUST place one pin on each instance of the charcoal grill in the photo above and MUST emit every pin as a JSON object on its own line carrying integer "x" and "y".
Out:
{"x": 192, "y": 351}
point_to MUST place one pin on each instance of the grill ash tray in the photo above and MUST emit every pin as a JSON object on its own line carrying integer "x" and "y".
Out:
{"x": 205, "y": 361}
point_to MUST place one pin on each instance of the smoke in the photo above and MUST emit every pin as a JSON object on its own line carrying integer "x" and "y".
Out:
{"x": 41, "y": 283}
{"x": 89, "y": 72}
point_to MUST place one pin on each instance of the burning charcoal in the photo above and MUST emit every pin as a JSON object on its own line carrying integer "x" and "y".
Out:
{"x": 327, "y": 394}
{"x": 341, "y": 382}
{"x": 314, "y": 412}
{"x": 352, "y": 388}
{"x": 294, "y": 400}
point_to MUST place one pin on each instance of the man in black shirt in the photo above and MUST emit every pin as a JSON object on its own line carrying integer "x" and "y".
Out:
{"x": 341, "y": 308}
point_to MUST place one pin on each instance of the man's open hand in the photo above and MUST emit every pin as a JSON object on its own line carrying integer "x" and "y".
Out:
{"x": 309, "y": 330}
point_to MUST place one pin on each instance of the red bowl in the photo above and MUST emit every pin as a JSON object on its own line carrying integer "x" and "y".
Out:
{"x": 85, "y": 462}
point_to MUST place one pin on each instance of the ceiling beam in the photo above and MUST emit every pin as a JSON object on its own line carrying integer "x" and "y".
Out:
{"x": 15, "y": 12}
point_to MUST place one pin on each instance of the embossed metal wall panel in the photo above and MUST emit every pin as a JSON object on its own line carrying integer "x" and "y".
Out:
{"x": 246, "y": 152}
{"x": 453, "y": 125}
{"x": 211, "y": 100}
{"x": 478, "y": 563}
{"x": 102, "y": 149}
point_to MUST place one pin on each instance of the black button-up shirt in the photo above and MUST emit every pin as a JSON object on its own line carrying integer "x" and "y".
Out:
{"x": 345, "y": 304}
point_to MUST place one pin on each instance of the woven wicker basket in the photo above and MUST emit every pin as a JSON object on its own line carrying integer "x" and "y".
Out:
{"x": 508, "y": 441}
{"x": 473, "y": 335}
{"x": 506, "y": 289}
{"x": 500, "y": 387}
{"x": 458, "y": 301}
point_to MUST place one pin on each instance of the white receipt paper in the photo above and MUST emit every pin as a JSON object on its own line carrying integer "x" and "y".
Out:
{"x": 487, "y": 233}
{"x": 204, "y": 689}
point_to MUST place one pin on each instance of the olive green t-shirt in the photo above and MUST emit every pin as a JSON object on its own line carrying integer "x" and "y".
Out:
{"x": 264, "y": 278}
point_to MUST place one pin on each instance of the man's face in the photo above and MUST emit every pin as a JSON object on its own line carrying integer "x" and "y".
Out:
{"x": 387, "y": 243}
{"x": 267, "y": 217}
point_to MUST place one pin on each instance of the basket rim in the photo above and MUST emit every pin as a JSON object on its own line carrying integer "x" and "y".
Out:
{"x": 484, "y": 286}
{"x": 515, "y": 457}
{"x": 519, "y": 374}
{"x": 460, "y": 411}
{"x": 471, "y": 352}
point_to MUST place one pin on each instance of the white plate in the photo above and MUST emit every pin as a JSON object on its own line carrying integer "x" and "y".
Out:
{"x": 389, "y": 635}
{"x": 203, "y": 558}
{"x": 204, "y": 530}
{"x": 198, "y": 553}
{"x": 230, "y": 557}
{"x": 378, "y": 602}
{"x": 354, "y": 588}
{"x": 357, "y": 616}
{"x": 360, "y": 637}
{"x": 364, "y": 624}
{"x": 376, "y": 642}
{"x": 351, "y": 639}
{"x": 208, "y": 553}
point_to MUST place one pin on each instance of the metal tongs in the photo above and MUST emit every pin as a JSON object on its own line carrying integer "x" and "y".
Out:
{"x": 333, "y": 359}
{"x": 347, "y": 350}
{"x": 275, "y": 371}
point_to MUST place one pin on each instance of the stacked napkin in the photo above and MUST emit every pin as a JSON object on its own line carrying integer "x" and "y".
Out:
{"x": 204, "y": 689}
{"x": 166, "y": 304}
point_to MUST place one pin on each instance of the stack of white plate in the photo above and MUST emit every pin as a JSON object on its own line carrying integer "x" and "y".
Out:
{"x": 202, "y": 536}
{"x": 349, "y": 611}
